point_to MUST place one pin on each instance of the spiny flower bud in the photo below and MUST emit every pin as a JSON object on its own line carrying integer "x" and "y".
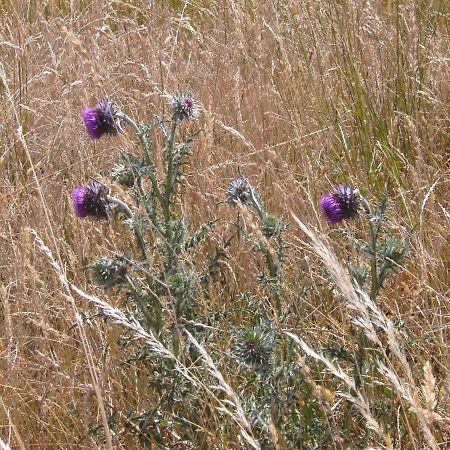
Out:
{"x": 254, "y": 346}
{"x": 238, "y": 190}
{"x": 184, "y": 106}
{"x": 108, "y": 273}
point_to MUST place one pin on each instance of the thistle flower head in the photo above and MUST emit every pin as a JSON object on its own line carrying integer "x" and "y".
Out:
{"x": 103, "y": 119}
{"x": 184, "y": 106}
{"x": 254, "y": 346}
{"x": 238, "y": 190}
{"x": 340, "y": 204}
{"x": 91, "y": 200}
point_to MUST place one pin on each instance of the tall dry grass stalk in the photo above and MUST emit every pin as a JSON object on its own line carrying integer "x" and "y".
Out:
{"x": 368, "y": 317}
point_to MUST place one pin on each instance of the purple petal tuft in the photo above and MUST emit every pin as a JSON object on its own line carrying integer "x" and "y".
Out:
{"x": 332, "y": 209}
{"x": 92, "y": 122}
{"x": 342, "y": 203}
{"x": 79, "y": 196}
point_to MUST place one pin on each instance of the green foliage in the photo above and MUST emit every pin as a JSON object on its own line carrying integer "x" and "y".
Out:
{"x": 109, "y": 273}
{"x": 392, "y": 252}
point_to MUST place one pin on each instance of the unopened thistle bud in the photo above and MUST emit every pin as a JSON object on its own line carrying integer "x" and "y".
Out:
{"x": 103, "y": 119}
{"x": 254, "y": 346}
{"x": 340, "y": 204}
{"x": 184, "y": 106}
{"x": 238, "y": 190}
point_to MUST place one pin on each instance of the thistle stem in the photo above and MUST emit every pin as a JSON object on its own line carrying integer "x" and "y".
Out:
{"x": 129, "y": 121}
{"x": 373, "y": 264}
{"x": 142, "y": 305}
{"x": 122, "y": 205}
{"x": 140, "y": 134}
{"x": 373, "y": 249}
{"x": 170, "y": 177}
{"x": 363, "y": 341}
{"x": 170, "y": 155}
{"x": 139, "y": 237}
{"x": 256, "y": 203}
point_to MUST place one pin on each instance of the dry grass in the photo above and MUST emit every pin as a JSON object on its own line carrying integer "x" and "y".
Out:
{"x": 297, "y": 95}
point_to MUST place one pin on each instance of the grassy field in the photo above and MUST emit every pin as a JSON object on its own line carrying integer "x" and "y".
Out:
{"x": 297, "y": 96}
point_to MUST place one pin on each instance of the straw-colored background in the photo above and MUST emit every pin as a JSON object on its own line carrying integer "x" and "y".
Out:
{"x": 297, "y": 95}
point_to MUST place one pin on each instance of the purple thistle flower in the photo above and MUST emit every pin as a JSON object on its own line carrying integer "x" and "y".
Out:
{"x": 91, "y": 200}
{"x": 184, "y": 106}
{"x": 102, "y": 119}
{"x": 340, "y": 204}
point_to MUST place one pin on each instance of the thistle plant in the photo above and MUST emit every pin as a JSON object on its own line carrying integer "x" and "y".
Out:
{"x": 267, "y": 237}
{"x": 385, "y": 251}
{"x": 153, "y": 192}
{"x": 158, "y": 283}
